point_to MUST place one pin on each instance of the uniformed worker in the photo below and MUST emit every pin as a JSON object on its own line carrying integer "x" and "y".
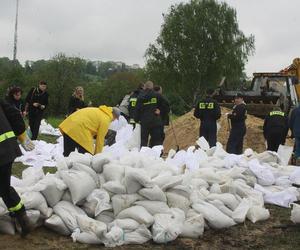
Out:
{"x": 238, "y": 126}
{"x": 80, "y": 128}
{"x": 12, "y": 127}
{"x": 275, "y": 129}
{"x": 133, "y": 101}
{"x": 149, "y": 110}
{"x": 208, "y": 111}
{"x": 294, "y": 124}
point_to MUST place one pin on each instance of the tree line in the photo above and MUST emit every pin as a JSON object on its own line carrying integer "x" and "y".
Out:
{"x": 199, "y": 43}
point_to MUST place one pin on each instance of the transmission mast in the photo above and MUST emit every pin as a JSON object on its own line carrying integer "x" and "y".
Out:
{"x": 16, "y": 32}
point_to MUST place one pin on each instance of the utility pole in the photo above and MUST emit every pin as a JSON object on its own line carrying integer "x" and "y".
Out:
{"x": 16, "y": 33}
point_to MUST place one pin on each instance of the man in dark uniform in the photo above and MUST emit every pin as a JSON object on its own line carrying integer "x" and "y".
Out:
{"x": 165, "y": 116}
{"x": 149, "y": 108}
{"x": 294, "y": 124}
{"x": 133, "y": 101}
{"x": 208, "y": 111}
{"x": 275, "y": 129}
{"x": 12, "y": 125}
{"x": 238, "y": 126}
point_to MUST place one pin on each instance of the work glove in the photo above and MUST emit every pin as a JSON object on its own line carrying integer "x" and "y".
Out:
{"x": 26, "y": 143}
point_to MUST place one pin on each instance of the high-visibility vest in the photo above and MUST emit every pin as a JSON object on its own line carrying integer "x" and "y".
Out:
{"x": 7, "y": 135}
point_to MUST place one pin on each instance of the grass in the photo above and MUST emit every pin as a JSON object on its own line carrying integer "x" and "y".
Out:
{"x": 54, "y": 121}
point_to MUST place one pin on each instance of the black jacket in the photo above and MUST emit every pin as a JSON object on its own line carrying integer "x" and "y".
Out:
{"x": 208, "y": 110}
{"x": 18, "y": 104}
{"x": 147, "y": 103}
{"x": 11, "y": 121}
{"x": 165, "y": 113}
{"x": 74, "y": 104}
{"x": 238, "y": 116}
{"x": 133, "y": 102}
{"x": 276, "y": 122}
{"x": 36, "y": 96}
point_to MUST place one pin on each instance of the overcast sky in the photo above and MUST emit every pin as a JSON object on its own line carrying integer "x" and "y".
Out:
{"x": 121, "y": 30}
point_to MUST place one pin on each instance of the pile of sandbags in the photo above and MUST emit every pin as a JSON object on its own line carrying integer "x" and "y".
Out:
{"x": 130, "y": 196}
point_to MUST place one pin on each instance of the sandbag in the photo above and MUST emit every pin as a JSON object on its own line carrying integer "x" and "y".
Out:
{"x": 295, "y": 213}
{"x": 85, "y": 238}
{"x": 193, "y": 226}
{"x": 91, "y": 226}
{"x": 56, "y": 224}
{"x": 88, "y": 170}
{"x": 97, "y": 202}
{"x": 128, "y": 225}
{"x": 121, "y": 202}
{"x": 167, "y": 227}
{"x": 35, "y": 200}
{"x": 166, "y": 181}
{"x": 139, "y": 236}
{"x": 264, "y": 175}
{"x": 31, "y": 176}
{"x": 138, "y": 213}
{"x": 220, "y": 205}
{"x": 215, "y": 218}
{"x": 75, "y": 157}
{"x": 79, "y": 183}
{"x": 99, "y": 160}
{"x": 154, "y": 207}
{"x": 135, "y": 179}
{"x": 7, "y": 225}
{"x": 114, "y": 238}
{"x": 240, "y": 213}
{"x": 114, "y": 187}
{"x": 68, "y": 213}
{"x": 257, "y": 213}
{"x": 228, "y": 199}
{"x": 178, "y": 201}
{"x": 153, "y": 194}
{"x": 113, "y": 172}
{"x": 106, "y": 217}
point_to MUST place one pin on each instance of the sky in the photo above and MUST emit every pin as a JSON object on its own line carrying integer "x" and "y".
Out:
{"x": 121, "y": 30}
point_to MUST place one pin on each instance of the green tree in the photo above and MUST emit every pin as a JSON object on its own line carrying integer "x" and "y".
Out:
{"x": 199, "y": 42}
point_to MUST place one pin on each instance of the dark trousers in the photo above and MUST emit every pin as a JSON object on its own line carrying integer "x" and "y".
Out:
{"x": 34, "y": 123}
{"x": 70, "y": 145}
{"x": 236, "y": 140}
{"x": 209, "y": 131}
{"x": 274, "y": 140}
{"x": 155, "y": 133}
{"x": 8, "y": 193}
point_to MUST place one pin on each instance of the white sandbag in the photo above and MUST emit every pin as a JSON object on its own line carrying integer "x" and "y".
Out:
{"x": 193, "y": 226}
{"x": 228, "y": 199}
{"x": 138, "y": 213}
{"x": 106, "y": 217}
{"x": 35, "y": 218}
{"x": 285, "y": 153}
{"x": 99, "y": 160}
{"x": 115, "y": 187}
{"x": 178, "y": 201}
{"x": 68, "y": 213}
{"x": 215, "y": 218}
{"x": 154, "y": 207}
{"x": 215, "y": 189}
{"x": 139, "y": 236}
{"x": 79, "y": 183}
{"x": 61, "y": 164}
{"x": 153, "y": 194}
{"x": 135, "y": 139}
{"x": 3, "y": 208}
{"x": 264, "y": 175}
{"x": 97, "y": 202}
{"x": 127, "y": 225}
{"x": 113, "y": 172}
{"x": 220, "y": 205}
{"x": 203, "y": 144}
{"x": 240, "y": 213}
{"x": 257, "y": 213}
{"x": 88, "y": 170}
{"x": 166, "y": 181}
{"x": 31, "y": 176}
{"x": 121, "y": 202}
{"x": 85, "y": 238}
{"x": 167, "y": 227}
{"x": 56, "y": 224}
{"x": 135, "y": 179}
{"x": 91, "y": 226}
{"x": 7, "y": 225}
{"x": 295, "y": 213}
{"x": 35, "y": 200}
{"x": 182, "y": 190}
{"x": 114, "y": 238}
{"x": 85, "y": 159}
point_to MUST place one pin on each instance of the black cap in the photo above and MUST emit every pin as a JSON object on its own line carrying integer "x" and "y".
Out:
{"x": 238, "y": 95}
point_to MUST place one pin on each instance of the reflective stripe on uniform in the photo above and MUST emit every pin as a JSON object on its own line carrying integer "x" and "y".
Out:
{"x": 207, "y": 105}
{"x": 133, "y": 101}
{"x": 211, "y": 105}
{"x": 6, "y": 136}
{"x": 277, "y": 113}
{"x": 152, "y": 101}
{"x": 16, "y": 208}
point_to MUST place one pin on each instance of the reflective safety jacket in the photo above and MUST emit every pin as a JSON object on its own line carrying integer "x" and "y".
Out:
{"x": 87, "y": 123}
{"x": 207, "y": 110}
{"x": 11, "y": 126}
{"x": 276, "y": 122}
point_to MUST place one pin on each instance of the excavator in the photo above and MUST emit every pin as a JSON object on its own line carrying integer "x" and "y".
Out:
{"x": 267, "y": 90}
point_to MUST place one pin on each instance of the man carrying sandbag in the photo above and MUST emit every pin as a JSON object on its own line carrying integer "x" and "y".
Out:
{"x": 208, "y": 111}
{"x": 12, "y": 126}
{"x": 275, "y": 129}
{"x": 238, "y": 118}
{"x": 80, "y": 128}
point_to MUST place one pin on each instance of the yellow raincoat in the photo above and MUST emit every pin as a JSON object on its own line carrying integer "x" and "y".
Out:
{"x": 83, "y": 125}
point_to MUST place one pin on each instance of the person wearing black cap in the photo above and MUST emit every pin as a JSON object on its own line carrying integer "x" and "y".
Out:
{"x": 276, "y": 127}
{"x": 238, "y": 126}
{"x": 208, "y": 111}
{"x": 36, "y": 103}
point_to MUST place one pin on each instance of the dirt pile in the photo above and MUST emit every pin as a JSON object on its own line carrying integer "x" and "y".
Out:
{"x": 187, "y": 126}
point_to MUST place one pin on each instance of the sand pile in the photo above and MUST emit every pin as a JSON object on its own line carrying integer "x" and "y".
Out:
{"x": 187, "y": 126}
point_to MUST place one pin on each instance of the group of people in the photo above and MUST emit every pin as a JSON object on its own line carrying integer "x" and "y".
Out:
{"x": 275, "y": 129}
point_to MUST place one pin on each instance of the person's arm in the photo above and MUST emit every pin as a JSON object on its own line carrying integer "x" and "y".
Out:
{"x": 44, "y": 100}
{"x": 197, "y": 111}
{"x": 238, "y": 114}
{"x": 218, "y": 111}
{"x": 102, "y": 131}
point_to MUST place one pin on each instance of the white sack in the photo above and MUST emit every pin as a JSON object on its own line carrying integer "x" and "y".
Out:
{"x": 264, "y": 175}
{"x": 106, "y": 217}
{"x": 91, "y": 226}
{"x": 88, "y": 170}
{"x": 138, "y": 213}
{"x": 228, "y": 199}
{"x": 178, "y": 201}
{"x": 153, "y": 194}
{"x": 35, "y": 200}
{"x": 154, "y": 207}
{"x": 127, "y": 225}
{"x": 193, "y": 226}
{"x": 97, "y": 202}
{"x": 85, "y": 238}
{"x": 7, "y": 225}
{"x": 99, "y": 160}
{"x": 121, "y": 202}
{"x": 139, "y": 236}
{"x": 135, "y": 179}
{"x": 113, "y": 172}
{"x": 295, "y": 213}
{"x": 240, "y": 213}
{"x": 56, "y": 224}
{"x": 114, "y": 187}
{"x": 257, "y": 213}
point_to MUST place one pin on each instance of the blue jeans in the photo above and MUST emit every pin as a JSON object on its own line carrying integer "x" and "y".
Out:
{"x": 297, "y": 150}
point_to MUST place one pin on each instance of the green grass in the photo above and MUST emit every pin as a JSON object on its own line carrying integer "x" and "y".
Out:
{"x": 54, "y": 121}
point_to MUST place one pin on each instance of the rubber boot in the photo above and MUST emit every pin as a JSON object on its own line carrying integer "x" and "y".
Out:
{"x": 23, "y": 221}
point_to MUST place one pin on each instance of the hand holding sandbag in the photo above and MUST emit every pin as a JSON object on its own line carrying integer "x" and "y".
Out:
{"x": 28, "y": 145}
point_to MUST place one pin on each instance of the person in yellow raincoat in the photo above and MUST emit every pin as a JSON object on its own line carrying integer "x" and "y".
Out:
{"x": 80, "y": 128}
